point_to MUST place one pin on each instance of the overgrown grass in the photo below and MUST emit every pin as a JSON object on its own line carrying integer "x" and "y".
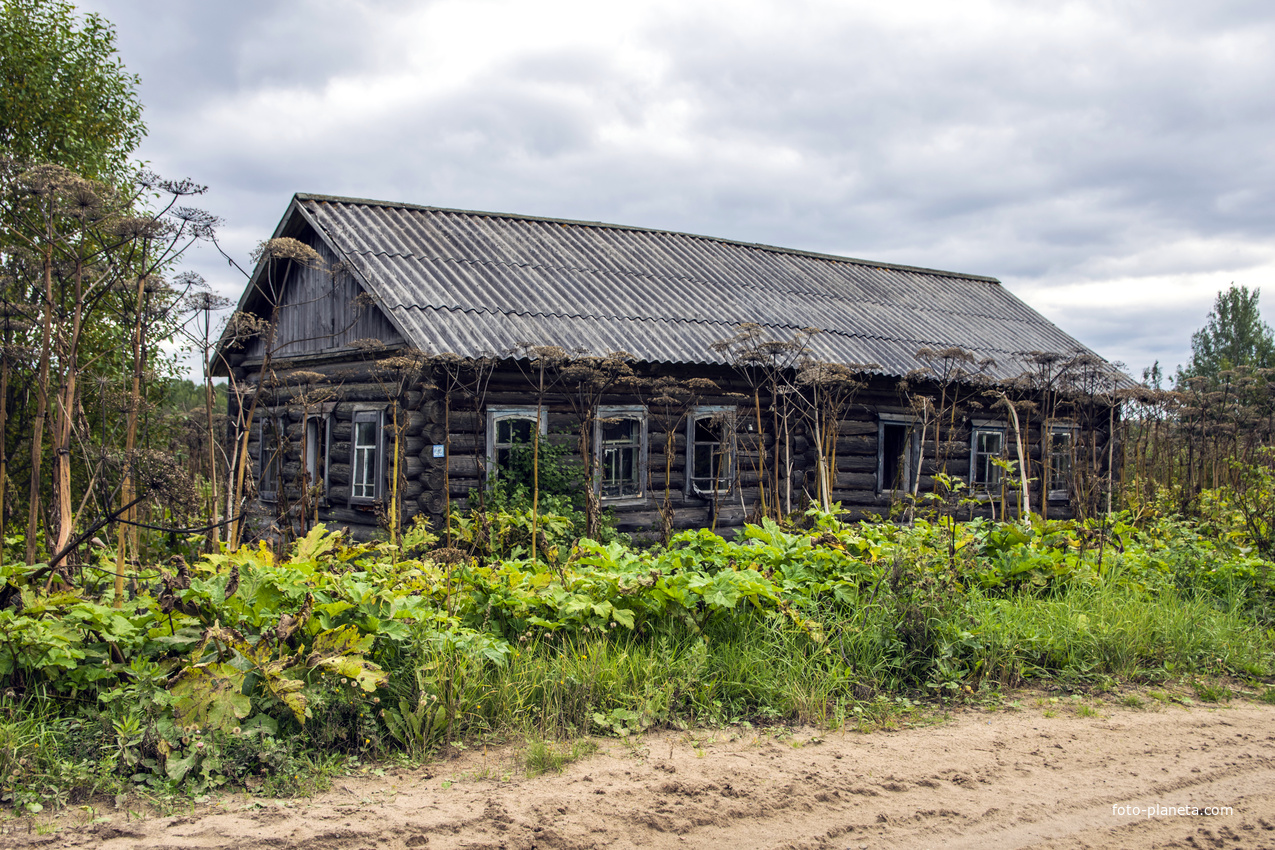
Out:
{"x": 1111, "y": 630}
{"x": 42, "y": 760}
{"x": 269, "y": 675}
{"x": 759, "y": 669}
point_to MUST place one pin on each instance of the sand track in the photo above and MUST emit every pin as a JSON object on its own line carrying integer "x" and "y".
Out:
{"x": 1001, "y": 779}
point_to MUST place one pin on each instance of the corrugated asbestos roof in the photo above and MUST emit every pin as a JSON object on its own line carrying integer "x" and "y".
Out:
{"x": 476, "y": 283}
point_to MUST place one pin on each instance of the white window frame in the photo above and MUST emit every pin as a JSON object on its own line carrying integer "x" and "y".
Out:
{"x": 983, "y": 427}
{"x": 270, "y": 424}
{"x": 631, "y": 411}
{"x": 496, "y": 415}
{"x": 728, "y": 438}
{"x": 314, "y": 451}
{"x": 375, "y": 415}
{"x": 1061, "y": 493}
{"x": 910, "y": 456}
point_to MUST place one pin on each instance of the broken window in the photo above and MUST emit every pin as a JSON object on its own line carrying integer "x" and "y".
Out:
{"x": 1062, "y": 447}
{"x": 270, "y": 461}
{"x": 620, "y": 450}
{"x": 316, "y": 454}
{"x": 896, "y": 453}
{"x": 710, "y": 450}
{"x": 510, "y": 438}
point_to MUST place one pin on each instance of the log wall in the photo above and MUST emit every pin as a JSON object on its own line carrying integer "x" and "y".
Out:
{"x": 432, "y": 484}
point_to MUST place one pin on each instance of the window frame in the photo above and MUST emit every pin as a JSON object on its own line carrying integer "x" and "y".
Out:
{"x": 623, "y": 411}
{"x": 376, "y": 415}
{"x": 986, "y": 427}
{"x": 1063, "y": 493}
{"x": 275, "y": 424}
{"x": 312, "y": 452}
{"x": 910, "y": 455}
{"x": 728, "y": 424}
{"x": 494, "y": 416}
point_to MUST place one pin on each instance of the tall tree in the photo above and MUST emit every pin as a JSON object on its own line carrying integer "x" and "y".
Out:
{"x": 1234, "y": 335}
{"x": 65, "y": 97}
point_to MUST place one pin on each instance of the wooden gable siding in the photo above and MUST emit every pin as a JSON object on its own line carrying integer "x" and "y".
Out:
{"x": 317, "y": 312}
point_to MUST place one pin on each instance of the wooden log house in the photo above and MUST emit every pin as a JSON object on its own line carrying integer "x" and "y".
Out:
{"x": 410, "y": 335}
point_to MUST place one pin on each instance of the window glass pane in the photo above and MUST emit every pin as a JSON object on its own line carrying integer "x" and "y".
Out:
{"x": 620, "y": 431}
{"x": 988, "y": 445}
{"x": 363, "y": 473}
{"x": 513, "y": 430}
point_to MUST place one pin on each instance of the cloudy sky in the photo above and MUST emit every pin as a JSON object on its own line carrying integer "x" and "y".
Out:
{"x": 1113, "y": 163}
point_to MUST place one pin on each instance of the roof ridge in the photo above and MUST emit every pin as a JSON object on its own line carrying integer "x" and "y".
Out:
{"x": 817, "y": 255}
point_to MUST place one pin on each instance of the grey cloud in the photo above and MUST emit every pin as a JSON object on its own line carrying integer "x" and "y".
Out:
{"x": 1038, "y": 155}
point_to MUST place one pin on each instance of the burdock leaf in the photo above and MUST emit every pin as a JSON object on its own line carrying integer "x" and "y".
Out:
{"x": 340, "y": 651}
{"x": 210, "y": 696}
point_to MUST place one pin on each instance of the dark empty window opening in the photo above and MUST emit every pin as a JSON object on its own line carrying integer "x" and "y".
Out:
{"x": 316, "y": 456}
{"x": 895, "y": 455}
{"x": 271, "y": 460}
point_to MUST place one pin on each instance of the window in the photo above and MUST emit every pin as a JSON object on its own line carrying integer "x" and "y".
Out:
{"x": 619, "y": 445}
{"x": 506, "y": 429}
{"x": 987, "y": 444}
{"x": 896, "y": 453}
{"x": 270, "y": 462}
{"x": 367, "y": 457}
{"x": 1061, "y": 448}
{"x": 710, "y": 450}
{"x": 316, "y": 454}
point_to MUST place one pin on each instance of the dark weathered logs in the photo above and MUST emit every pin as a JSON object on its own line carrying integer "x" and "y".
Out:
{"x": 856, "y": 463}
{"x": 857, "y": 428}
{"x": 857, "y": 445}
{"x": 855, "y": 481}
{"x": 433, "y": 503}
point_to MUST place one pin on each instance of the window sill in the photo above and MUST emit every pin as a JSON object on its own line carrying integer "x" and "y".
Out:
{"x": 622, "y": 501}
{"x": 708, "y": 494}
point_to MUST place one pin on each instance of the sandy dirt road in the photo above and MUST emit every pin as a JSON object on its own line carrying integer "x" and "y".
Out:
{"x": 1041, "y": 776}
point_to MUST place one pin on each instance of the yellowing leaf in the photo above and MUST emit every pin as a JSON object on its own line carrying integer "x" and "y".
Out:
{"x": 367, "y": 674}
{"x": 315, "y": 545}
{"x": 210, "y": 696}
